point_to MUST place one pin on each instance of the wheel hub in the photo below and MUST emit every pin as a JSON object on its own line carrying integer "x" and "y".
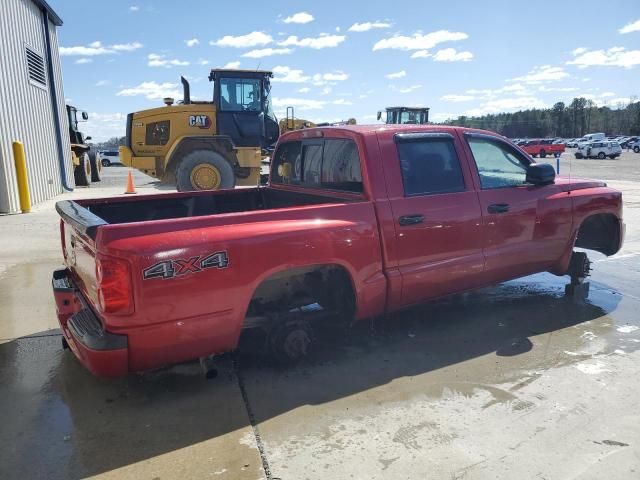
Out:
{"x": 296, "y": 344}
{"x": 205, "y": 177}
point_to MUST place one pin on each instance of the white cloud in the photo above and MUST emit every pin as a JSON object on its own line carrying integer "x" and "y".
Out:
{"x": 289, "y": 75}
{"x": 152, "y": 90}
{"x": 543, "y": 74}
{"x": 410, "y": 89}
{"x": 102, "y": 126}
{"x": 326, "y": 90}
{"x": 266, "y": 52}
{"x": 457, "y": 98}
{"x": 607, "y": 94}
{"x": 336, "y": 76}
{"x": 134, "y": 8}
{"x": 304, "y": 90}
{"x": 82, "y": 60}
{"x": 300, "y": 103}
{"x": 543, "y": 88}
{"x": 156, "y": 60}
{"x": 399, "y": 74}
{"x": 253, "y": 39}
{"x": 613, "y": 57}
{"x": 192, "y": 42}
{"x": 342, "y": 101}
{"x": 96, "y": 48}
{"x": 103, "y": 83}
{"x": 419, "y": 41}
{"x": 202, "y": 61}
{"x": 506, "y": 104}
{"x": 619, "y": 101}
{"x": 421, "y": 54}
{"x": 366, "y": 26}
{"x": 231, "y": 65}
{"x": 579, "y": 50}
{"x": 300, "y": 17}
{"x": 323, "y": 41}
{"x": 452, "y": 55}
{"x": 631, "y": 27}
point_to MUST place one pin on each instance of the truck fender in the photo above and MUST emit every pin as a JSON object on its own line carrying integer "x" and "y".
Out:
{"x": 281, "y": 273}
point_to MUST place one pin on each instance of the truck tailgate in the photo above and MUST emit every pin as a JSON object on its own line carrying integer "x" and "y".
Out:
{"x": 78, "y": 230}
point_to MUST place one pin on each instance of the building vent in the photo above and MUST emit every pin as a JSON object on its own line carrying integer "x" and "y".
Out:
{"x": 35, "y": 64}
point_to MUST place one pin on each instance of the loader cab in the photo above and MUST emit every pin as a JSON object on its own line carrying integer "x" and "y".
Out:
{"x": 74, "y": 116}
{"x": 406, "y": 115}
{"x": 243, "y": 107}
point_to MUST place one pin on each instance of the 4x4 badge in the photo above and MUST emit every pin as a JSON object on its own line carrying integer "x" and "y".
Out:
{"x": 175, "y": 268}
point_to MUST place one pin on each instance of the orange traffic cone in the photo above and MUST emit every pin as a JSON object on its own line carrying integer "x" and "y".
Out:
{"x": 131, "y": 188}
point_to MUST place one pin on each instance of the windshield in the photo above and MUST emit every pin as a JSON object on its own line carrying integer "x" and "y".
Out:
{"x": 240, "y": 94}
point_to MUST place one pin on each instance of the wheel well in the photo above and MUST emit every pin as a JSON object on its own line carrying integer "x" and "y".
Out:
{"x": 600, "y": 232}
{"x": 223, "y": 146}
{"x": 329, "y": 286}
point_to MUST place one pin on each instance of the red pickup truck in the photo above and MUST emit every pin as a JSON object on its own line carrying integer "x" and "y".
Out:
{"x": 543, "y": 147}
{"x": 356, "y": 222}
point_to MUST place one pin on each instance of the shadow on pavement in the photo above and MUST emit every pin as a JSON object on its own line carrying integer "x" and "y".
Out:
{"x": 64, "y": 423}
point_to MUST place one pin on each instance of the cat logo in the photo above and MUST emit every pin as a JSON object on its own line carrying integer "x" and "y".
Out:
{"x": 200, "y": 121}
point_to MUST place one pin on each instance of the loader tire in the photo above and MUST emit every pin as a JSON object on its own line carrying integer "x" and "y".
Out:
{"x": 204, "y": 170}
{"x": 96, "y": 168}
{"x": 82, "y": 171}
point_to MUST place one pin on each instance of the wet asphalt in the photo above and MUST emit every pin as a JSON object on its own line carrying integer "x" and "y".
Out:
{"x": 512, "y": 381}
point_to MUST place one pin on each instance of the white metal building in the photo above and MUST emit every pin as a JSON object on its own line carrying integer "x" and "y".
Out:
{"x": 32, "y": 106}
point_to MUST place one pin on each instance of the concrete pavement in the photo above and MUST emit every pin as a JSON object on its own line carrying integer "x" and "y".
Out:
{"x": 509, "y": 382}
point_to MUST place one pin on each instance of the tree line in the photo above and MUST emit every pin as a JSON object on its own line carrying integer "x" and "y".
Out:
{"x": 580, "y": 117}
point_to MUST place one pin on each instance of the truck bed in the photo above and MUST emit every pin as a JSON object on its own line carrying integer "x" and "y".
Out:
{"x": 192, "y": 204}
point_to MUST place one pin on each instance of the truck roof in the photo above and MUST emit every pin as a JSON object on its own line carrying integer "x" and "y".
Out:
{"x": 375, "y": 128}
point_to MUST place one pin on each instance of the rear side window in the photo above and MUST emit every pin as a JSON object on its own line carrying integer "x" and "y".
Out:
{"x": 429, "y": 166}
{"x": 332, "y": 164}
{"x": 341, "y": 166}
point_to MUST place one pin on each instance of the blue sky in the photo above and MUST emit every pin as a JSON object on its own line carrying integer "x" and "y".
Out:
{"x": 334, "y": 60}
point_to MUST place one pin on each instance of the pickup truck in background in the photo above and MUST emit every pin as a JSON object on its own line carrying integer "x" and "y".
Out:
{"x": 542, "y": 148}
{"x": 356, "y": 222}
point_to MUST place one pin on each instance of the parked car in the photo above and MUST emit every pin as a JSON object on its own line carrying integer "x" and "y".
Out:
{"x": 572, "y": 143}
{"x": 599, "y": 150}
{"x": 356, "y": 222}
{"x": 635, "y": 146}
{"x": 109, "y": 157}
{"x": 543, "y": 147}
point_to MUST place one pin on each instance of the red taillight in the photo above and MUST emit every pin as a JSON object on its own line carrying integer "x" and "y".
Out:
{"x": 114, "y": 285}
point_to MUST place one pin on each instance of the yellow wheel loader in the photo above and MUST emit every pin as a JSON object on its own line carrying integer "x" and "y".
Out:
{"x": 85, "y": 167}
{"x": 206, "y": 145}
{"x": 406, "y": 115}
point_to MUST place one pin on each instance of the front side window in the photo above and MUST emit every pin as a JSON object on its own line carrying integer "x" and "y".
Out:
{"x": 498, "y": 164}
{"x": 240, "y": 94}
{"x": 429, "y": 166}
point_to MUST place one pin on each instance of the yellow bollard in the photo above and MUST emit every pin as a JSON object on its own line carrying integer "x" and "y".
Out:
{"x": 21, "y": 177}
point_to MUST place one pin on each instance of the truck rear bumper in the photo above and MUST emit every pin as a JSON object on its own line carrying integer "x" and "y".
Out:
{"x": 103, "y": 353}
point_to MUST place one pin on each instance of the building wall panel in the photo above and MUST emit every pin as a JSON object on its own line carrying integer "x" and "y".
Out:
{"x": 26, "y": 112}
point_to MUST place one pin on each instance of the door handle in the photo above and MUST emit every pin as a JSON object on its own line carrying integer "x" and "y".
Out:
{"x": 498, "y": 208}
{"x": 411, "y": 219}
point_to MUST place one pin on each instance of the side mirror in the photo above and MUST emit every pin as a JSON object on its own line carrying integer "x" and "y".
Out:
{"x": 87, "y": 138}
{"x": 379, "y": 115}
{"x": 540, "y": 174}
{"x": 85, "y": 116}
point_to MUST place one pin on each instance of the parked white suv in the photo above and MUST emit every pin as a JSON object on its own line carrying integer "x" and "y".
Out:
{"x": 599, "y": 149}
{"x": 635, "y": 146}
{"x": 109, "y": 157}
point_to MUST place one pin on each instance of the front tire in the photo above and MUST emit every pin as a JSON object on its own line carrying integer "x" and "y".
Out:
{"x": 543, "y": 154}
{"x": 204, "y": 170}
{"x": 105, "y": 162}
{"x": 636, "y": 149}
{"x": 82, "y": 171}
{"x": 602, "y": 156}
{"x": 96, "y": 168}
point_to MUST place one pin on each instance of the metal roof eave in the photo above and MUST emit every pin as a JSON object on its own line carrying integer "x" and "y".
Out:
{"x": 53, "y": 16}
